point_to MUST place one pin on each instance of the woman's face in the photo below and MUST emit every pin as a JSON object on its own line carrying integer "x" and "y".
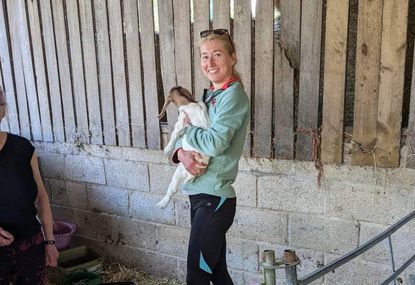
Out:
{"x": 217, "y": 63}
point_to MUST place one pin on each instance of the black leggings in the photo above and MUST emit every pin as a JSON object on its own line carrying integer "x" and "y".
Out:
{"x": 23, "y": 262}
{"x": 211, "y": 217}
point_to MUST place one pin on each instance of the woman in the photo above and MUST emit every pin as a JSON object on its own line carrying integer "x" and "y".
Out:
{"x": 24, "y": 250}
{"x": 212, "y": 197}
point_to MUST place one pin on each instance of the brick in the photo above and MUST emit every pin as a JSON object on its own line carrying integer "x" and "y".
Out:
{"x": 245, "y": 187}
{"x": 242, "y": 254}
{"x": 144, "y": 155}
{"x": 254, "y": 279}
{"x": 127, "y": 174}
{"x": 260, "y": 225}
{"x": 356, "y": 271}
{"x": 266, "y": 165}
{"x": 102, "y": 151}
{"x": 323, "y": 234}
{"x": 143, "y": 206}
{"x": 237, "y": 276}
{"x": 160, "y": 177}
{"x": 290, "y": 193}
{"x": 172, "y": 240}
{"x": 85, "y": 169}
{"x": 69, "y": 194}
{"x": 402, "y": 240}
{"x": 134, "y": 232}
{"x": 183, "y": 213}
{"x": 353, "y": 174}
{"x": 58, "y": 148}
{"x": 52, "y": 165}
{"x": 369, "y": 203}
{"x": 109, "y": 200}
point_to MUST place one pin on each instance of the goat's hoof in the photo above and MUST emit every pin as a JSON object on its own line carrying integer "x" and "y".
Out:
{"x": 162, "y": 204}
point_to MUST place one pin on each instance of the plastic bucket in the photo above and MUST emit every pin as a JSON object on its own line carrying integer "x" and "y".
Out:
{"x": 63, "y": 232}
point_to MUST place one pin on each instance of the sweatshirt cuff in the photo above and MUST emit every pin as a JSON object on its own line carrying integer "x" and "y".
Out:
{"x": 174, "y": 157}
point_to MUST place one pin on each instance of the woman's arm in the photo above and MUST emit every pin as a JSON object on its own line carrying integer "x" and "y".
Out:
{"x": 45, "y": 214}
{"x": 6, "y": 238}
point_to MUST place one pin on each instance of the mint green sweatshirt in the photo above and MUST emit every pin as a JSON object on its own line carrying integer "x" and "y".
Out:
{"x": 223, "y": 141}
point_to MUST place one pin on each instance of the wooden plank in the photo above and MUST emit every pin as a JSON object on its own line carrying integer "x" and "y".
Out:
{"x": 334, "y": 81}
{"x": 290, "y": 30}
{"x": 4, "y": 125}
{"x": 104, "y": 71}
{"x": 29, "y": 77}
{"x": 6, "y": 69}
{"x": 146, "y": 23}
{"x": 52, "y": 70}
{"x": 40, "y": 71}
{"x": 221, "y": 14}
{"x": 118, "y": 73}
{"x": 91, "y": 74}
{"x": 167, "y": 57}
{"x": 411, "y": 123}
{"x": 200, "y": 23}
{"x": 18, "y": 69}
{"x": 283, "y": 105}
{"x": 392, "y": 73}
{"x": 263, "y": 78}
{"x": 286, "y": 60}
{"x": 367, "y": 79}
{"x": 182, "y": 43}
{"x": 64, "y": 71}
{"x": 242, "y": 38}
{"x": 135, "y": 90}
{"x": 77, "y": 69}
{"x": 311, "y": 14}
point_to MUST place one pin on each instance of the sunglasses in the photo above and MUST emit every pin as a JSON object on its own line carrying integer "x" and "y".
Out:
{"x": 219, "y": 32}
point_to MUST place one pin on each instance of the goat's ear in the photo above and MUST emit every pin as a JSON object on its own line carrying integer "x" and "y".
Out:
{"x": 166, "y": 102}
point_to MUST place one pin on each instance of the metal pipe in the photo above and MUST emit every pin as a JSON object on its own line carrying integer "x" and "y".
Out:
{"x": 399, "y": 271}
{"x": 269, "y": 273}
{"x": 391, "y": 256}
{"x": 290, "y": 271}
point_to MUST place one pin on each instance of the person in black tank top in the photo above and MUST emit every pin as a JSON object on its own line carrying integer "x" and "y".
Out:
{"x": 26, "y": 228}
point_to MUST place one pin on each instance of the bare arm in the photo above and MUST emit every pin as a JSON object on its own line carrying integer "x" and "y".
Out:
{"x": 45, "y": 214}
{"x": 6, "y": 238}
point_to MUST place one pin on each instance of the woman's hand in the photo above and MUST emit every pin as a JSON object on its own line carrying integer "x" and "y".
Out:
{"x": 192, "y": 161}
{"x": 51, "y": 255}
{"x": 6, "y": 238}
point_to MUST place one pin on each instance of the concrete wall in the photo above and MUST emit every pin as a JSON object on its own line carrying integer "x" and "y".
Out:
{"x": 111, "y": 193}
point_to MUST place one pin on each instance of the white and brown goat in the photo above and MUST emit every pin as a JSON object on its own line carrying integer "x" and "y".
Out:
{"x": 198, "y": 115}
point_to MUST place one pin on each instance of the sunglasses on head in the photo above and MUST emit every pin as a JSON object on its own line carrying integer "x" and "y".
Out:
{"x": 219, "y": 32}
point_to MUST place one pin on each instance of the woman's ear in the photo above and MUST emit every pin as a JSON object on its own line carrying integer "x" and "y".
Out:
{"x": 234, "y": 61}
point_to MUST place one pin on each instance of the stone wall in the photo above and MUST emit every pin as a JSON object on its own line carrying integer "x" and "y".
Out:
{"x": 111, "y": 194}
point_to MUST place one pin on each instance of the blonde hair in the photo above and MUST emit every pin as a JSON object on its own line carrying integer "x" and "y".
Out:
{"x": 227, "y": 43}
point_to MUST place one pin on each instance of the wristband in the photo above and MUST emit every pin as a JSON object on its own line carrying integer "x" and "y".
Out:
{"x": 46, "y": 242}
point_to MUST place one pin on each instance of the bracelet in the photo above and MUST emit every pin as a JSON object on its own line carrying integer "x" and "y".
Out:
{"x": 46, "y": 242}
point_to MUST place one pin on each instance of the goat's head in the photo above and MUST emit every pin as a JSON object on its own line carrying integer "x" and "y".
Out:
{"x": 179, "y": 96}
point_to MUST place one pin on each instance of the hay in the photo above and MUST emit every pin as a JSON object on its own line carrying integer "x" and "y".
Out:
{"x": 117, "y": 272}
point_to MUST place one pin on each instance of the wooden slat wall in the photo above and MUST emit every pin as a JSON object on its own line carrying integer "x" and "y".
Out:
{"x": 167, "y": 55}
{"x": 201, "y": 23}
{"x": 367, "y": 79}
{"x": 64, "y": 70}
{"x": 242, "y": 37}
{"x": 389, "y": 116}
{"x": 118, "y": 73}
{"x": 7, "y": 75}
{"x": 135, "y": 90}
{"x": 309, "y": 76}
{"x": 411, "y": 123}
{"x": 105, "y": 71}
{"x": 287, "y": 53}
{"x": 39, "y": 65}
{"x": 146, "y": 23}
{"x": 263, "y": 79}
{"x": 334, "y": 80}
{"x": 86, "y": 71}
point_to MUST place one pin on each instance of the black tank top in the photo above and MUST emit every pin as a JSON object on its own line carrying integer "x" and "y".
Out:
{"x": 18, "y": 190}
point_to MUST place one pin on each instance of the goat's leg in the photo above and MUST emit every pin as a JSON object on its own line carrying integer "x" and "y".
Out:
{"x": 177, "y": 179}
{"x": 178, "y": 130}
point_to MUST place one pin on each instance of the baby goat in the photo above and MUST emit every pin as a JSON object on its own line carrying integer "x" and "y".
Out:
{"x": 197, "y": 113}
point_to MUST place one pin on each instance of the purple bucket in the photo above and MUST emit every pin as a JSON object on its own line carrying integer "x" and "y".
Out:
{"x": 63, "y": 232}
